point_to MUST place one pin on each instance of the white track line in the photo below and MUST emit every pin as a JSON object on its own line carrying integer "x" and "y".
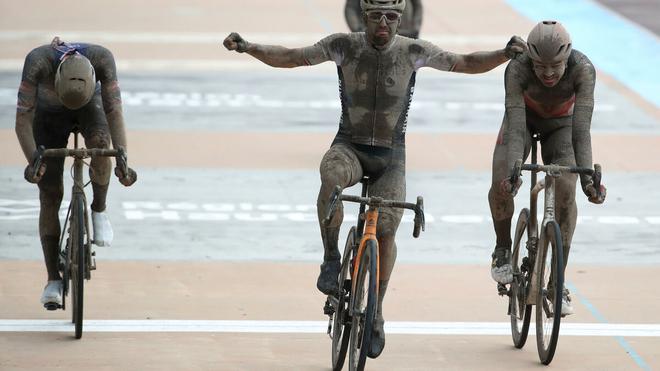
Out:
{"x": 319, "y": 327}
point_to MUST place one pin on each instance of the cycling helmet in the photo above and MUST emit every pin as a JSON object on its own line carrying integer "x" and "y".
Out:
{"x": 75, "y": 81}
{"x": 549, "y": 42}
{"x": 396, "y": 5}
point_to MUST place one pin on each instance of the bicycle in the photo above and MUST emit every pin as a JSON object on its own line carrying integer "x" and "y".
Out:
{"x": 538, "y": 277}
{"x": 352, "y": 310}
{"x": 76, "y": 258}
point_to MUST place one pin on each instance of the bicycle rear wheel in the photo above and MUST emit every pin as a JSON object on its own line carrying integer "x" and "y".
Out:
{"x": 364, "y": 306}
{"x": 341, "y": 325}
{"x": 519, "y": 311}
{"x": 550, "y": 283}
{"x": 77, "y": 266}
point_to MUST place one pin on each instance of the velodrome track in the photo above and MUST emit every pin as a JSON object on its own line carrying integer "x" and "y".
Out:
{"x": 216, "y": 250}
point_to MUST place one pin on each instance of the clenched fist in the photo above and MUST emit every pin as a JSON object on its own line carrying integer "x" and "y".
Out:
{"x": 515, "y": 46}
{"x": 235, "y": 42}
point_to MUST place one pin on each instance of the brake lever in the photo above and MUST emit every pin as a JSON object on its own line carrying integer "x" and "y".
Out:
{"x": 332, "y": 205}
{"x": 37, "y": 160}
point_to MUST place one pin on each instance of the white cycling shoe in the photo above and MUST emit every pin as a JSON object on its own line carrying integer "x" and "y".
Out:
{"x": 51, "y": 298}
{"x": 566, "y": 306}
{"x": 103, "y": 233}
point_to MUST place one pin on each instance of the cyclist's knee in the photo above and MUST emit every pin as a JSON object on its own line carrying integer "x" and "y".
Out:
{"x": 388, "y": 223}
{"x": 50, "y": 193}
{"x": 98, "y": 139}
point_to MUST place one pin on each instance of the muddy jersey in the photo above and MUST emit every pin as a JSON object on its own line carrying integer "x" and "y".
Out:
{"x": 38, "y": 80}
{"x": 527, "y": 98}
{"x": 376, "y": 86}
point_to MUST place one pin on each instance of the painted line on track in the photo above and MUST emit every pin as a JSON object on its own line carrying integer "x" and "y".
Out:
{"x": 319, "y": 327}
{"x": 602, "y": 320}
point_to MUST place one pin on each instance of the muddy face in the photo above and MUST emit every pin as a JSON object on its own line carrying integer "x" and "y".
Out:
{"x": 549, "y": 73}
{"x": 381, "y": 27}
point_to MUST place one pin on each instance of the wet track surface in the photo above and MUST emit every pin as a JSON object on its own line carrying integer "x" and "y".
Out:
{"x": 217, "y": 246}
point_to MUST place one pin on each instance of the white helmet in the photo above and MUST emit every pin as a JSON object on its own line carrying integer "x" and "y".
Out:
{"x": 549, "y": 42}
{"x": 396, "y": 5}
{"x": 75, "y": 81}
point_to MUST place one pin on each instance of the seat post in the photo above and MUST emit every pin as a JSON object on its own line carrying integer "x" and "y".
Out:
{"x": 365, "y": 192}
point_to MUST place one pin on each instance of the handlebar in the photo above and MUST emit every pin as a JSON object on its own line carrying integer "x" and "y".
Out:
{"x": 556, "y": 170}
{"x": 80, "y": 153}
{"x": 418, "y": 208}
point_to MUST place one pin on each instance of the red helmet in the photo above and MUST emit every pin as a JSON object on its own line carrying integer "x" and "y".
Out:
{"x": 549, "y": 42}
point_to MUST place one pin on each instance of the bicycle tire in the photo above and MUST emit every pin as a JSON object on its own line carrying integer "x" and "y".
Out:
{"x": 77, "y": 230}
{"x": 519, "y": 310}
{"x": 341, "y": 327}
{"x": 364, "y": 307}
{"x": 548, "y": 311}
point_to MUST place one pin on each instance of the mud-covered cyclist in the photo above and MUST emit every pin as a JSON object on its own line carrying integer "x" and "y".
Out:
{"x": 377, "y": 72}
{"x": 66, "y": 87}
{"x": 548, "y": 90}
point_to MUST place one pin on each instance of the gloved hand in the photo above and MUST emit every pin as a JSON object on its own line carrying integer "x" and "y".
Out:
{"x": 36, "y": 168}
{"x": 235, "y": 42}
{"x": 596, "y": 196}
{"x": 126, "y": 175}
{"x": 515, "y": 46}
{"x": 508, "y": 187}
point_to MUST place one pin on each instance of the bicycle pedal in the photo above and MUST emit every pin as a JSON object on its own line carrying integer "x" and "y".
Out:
{"x": 328, "y": 309}
{"x": 502, "y": 290}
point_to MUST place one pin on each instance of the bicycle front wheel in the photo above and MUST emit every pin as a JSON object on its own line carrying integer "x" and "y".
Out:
{"x": 519, "y": 311}
{"x": 77, "y": 266}
{"x": 341, "y": 325}
{"x": 364, "y": 306}
{"x": 550, "y": 283}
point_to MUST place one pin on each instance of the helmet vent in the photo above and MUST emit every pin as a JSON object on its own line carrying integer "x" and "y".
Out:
{"x": 536, "y": 51}
{"x": 550, "y": 22}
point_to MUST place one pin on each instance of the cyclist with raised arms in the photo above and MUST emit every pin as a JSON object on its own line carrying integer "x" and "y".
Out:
{"x": 376, "y": 72}
{"x": 411, "y": 19}
{"x": 549, "y": 91}
{"x": 66, "y": 87}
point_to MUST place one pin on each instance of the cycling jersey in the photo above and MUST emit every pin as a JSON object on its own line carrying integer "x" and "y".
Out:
{"x": 376, "y": 86}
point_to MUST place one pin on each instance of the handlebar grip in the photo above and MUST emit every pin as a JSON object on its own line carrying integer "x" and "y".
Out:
{"x": 332, "y": 205}
{"x": 515, "y": 171}
{"x": 420, "y": 222}
{"x": 597, "y": 176}
{"x": 37, "y": 160}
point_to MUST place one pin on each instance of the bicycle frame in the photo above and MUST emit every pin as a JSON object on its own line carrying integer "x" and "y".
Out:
{"x": 370, "y": 226}
{"x": 548, "y": 184}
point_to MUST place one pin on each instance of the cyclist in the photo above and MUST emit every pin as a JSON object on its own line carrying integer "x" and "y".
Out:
{"x": 376, "y": 72}
{"x": 411, "y": 19}
{"x": 66, "y": 87}
{"x": 550, "y": 91}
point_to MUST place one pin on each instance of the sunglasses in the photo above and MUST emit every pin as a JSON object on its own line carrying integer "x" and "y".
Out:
{"x": 377, "y": 17}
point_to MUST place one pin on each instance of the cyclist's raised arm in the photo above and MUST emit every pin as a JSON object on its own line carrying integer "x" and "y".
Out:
{"x": 485, "y": 61}
{"x": 34, "y": 70}
{"x": 582, "y": 112}
{"x": 279, "y": 56}
{"x": 514, "y": 105}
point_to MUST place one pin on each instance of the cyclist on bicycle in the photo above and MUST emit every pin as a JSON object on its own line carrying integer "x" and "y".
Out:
{"x": 411, "y": 19}
{"x": 377, "y": 72}
{"x": 549, "y": 91}
{"x": 66, "y": 87}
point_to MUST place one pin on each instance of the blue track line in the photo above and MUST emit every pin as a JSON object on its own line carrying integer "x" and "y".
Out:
{"x": 599, "y": 316}
{"x": 617, "y": 46}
